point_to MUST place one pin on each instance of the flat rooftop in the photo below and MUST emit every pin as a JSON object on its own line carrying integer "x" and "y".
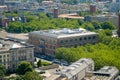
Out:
{"x": 105, "y": 73}
{"x": 72, "y": 16}
{"x": 7, "y": 44}
{"x": 18, "y": 37}
{"x": 63, "y": 33}
{"x": 108, "y": 70}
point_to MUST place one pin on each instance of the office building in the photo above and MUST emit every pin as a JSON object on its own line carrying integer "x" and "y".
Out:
{"x": 47, "y": 41}
{"x": 12, "y": 53}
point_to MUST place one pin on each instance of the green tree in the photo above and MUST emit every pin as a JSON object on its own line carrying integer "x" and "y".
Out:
{"x": 32, "y": 76}
{"x": 80, "y": 22}
{"x": 105, "y": 36}
{"x": 105, "y": 53}
{"x": 69, "y": 1}
{"x": 31, "y": 17}
{"x": 96, "y": 24}
{"x": 88, "y": 26}
{"x": 39, "y": 63}
{"x": 2, "y": 71}
{"x": 24, "y": 67}
{"x": 107, "y": 25}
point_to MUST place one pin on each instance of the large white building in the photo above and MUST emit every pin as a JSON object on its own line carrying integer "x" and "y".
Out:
{"x": 75, "y": 71}
{"x": 83, "y": 69}
{"x": 12, "y": 53}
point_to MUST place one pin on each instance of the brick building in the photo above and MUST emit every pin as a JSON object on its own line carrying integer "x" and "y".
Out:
{"x": 93, "y": 9}
{"x": 46, "y": 41}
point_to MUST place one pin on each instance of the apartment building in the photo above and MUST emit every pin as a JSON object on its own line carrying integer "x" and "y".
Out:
{"x": 47, "y": 41}
{"x": 12, "y": 53}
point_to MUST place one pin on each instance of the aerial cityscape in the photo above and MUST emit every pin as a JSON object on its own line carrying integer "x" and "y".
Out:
{"x": 59, "y": 39}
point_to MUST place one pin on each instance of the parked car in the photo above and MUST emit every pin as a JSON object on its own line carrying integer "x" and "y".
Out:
{"x": 56, "y": 61}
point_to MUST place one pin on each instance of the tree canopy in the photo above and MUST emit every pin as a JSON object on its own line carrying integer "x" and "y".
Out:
{"x": 43, "y": 22}
{"x": 32, "y": 76}
{"x": 24, "y": 67}
{"x": 102, "y": 54}
{"x": 2, "y": 71}
{"x": 39, "y": 63}
{"x": 107, "y": 25}
{"x": 27, "y": 76}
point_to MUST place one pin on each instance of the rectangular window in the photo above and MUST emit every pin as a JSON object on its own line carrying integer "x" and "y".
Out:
{"x": 66, "y": 40}
{"x": 80, "y": 39}
{"x": 75, "y": 39}
{"x": 71, "y": 40}
{"x": 8, "y": 55}
{"x": 94, "y": 37}
{"x": 89, "y": 37}
{"x": 85, "y": 38}
{"x": 4, "y": 60}
{"x": 4, "y": 56}
{"x": 61, "y": 41}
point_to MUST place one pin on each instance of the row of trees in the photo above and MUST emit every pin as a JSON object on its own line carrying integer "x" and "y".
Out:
{"x": 69, "y": 1}
{"x": 41, "y": 22}
{"x": 103, "y": 54}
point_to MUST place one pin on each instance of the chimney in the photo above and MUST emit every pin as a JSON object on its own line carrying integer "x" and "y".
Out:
{"x": 119, "y": 25}
{"x": 92, "y": 8}
{"x": 55, "y": 12}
